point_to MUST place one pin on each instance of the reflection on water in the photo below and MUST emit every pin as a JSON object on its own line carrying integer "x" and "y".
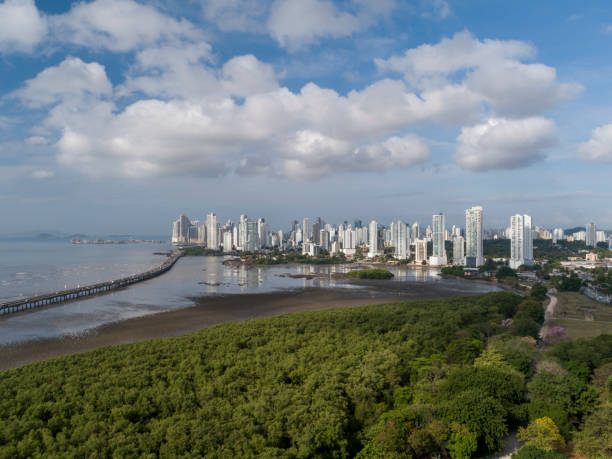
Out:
{"x": 202, "y": 276}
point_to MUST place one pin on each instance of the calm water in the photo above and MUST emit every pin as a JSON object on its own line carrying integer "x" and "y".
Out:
{"x": 31, "y": 268}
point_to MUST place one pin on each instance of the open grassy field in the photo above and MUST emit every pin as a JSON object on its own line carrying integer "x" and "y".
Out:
{"x": 581, "y": 316}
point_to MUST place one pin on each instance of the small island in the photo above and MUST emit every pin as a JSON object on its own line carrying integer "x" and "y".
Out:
{"x": 370, "y": 273}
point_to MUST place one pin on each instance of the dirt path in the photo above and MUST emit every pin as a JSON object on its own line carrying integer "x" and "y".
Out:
{"x": 549, "y": 315}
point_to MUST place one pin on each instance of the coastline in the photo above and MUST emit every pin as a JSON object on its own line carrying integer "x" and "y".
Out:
{"x": 209, "y": 311}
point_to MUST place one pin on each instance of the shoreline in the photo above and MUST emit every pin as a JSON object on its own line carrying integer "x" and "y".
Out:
{"x": 210, "y": 311}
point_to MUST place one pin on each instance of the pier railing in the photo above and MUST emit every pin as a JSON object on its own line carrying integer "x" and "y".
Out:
{"x": 88, "y": 290}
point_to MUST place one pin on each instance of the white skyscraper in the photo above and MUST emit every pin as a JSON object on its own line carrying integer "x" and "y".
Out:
{"x": 600, "y": 236}
{"x": 400, "y": 239}
{"x": 420, "y": 251}
{"x": 438, "y": 257}
{"x": 416, "y": 231}
{"x": 242, "y": 232}
{"x": 521, "y": 241}
{"x": 375, "y": 242}
{"x": 591, "y": 235}
{"x": 558, "y": 235}
{"x": 458, "y": 250}
{"x": 473, "y": 237}
{"x": 212, "y": 240}
{"x": 227, "y": 241}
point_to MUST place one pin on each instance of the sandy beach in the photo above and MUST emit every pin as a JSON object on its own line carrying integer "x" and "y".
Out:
{"x": 209, "y": 311}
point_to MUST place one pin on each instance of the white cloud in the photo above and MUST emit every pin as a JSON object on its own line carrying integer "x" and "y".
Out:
{"x": 71, "y": 79}
{"x": 296, "y": 23}
{"x": 245, "y": 75}
{"x": 21, "y": 26}
{"x": 42, "y": 174}
{"x": 239, "y": 15}
{"x": 599, "y": 147}
{"x": 37, "y": 140}
{"x": 441, "y": 8}
{"x": 491, "y": 69}
{"x": 120, "y": 26}
{"x": 504, "y": 143}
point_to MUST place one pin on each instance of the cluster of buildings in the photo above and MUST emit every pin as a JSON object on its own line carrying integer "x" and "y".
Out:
{"x": 402, "y": 240}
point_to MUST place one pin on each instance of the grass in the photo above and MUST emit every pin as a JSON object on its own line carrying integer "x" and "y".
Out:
{"x": 572, "y": 311}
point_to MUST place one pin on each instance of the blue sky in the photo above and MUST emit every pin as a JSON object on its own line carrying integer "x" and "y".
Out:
{"x": 117, "y": 115}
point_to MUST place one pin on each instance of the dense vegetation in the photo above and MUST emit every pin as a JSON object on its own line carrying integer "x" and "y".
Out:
{"x": 279, "y": 258}
{"x": 370, "y": 273}
{"x": 413, "y": 379}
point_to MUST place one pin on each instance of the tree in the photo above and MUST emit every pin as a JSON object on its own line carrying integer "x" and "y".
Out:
{"x": 531, "y": 452}
{"x": 504, "y": 272}
{"x": 462, "y": 443}
{"x": 538, "y": 291}
{"x": 542, "y": 433}
{"x": 595, "y": 437}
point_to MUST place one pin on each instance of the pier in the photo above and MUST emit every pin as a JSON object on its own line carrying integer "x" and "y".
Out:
{"x": 88, "y": 290}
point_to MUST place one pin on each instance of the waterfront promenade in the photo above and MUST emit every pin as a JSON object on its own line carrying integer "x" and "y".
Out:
{"x": 87, "y": 290}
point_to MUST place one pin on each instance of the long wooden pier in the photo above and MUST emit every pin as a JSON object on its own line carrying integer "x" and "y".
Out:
{"x": 88, "y": 290}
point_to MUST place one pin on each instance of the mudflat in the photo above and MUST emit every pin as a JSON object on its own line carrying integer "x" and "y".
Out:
{"x": 208, "y": 311}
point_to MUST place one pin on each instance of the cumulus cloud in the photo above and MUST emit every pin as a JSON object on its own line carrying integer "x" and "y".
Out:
{"x": 504, "y": 143}
{"x": 239, "y": 15}
{"x": 599, "y": 147}
{"x": 189, "y": 115}
{"x": 119, "y": 25}
{"x": 295, "y": 23}
{"x": 492, "y": 69}
{"x": 71, "y": 79}
{"x": 22, "y": 27}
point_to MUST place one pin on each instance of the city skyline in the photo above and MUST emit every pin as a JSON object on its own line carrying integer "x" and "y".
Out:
{"x": 309, "y": 107}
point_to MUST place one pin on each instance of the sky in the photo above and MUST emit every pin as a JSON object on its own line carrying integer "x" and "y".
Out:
{"x": 118, "y": 115}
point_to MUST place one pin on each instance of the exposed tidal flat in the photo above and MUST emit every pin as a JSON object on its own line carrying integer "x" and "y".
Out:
{"x": 202, "y": 291}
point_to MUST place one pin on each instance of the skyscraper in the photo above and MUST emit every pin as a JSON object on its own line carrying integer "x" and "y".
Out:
{"x": 420, "y": 251}
{"x": 458, "y": 250}
{"x": 416, "y": 231}
{"x": 473, "y": 237}
{"x": 558, "y": 235}
{"x": 307, "y": 229}
{"x": 212, "y": 240}
{"x": 591, "y": 235}
{"x": 400, "y": 239}
{"x": 375, "y": 246}
{"x": 521, "y": 241}
{"x": 438, "y": 257}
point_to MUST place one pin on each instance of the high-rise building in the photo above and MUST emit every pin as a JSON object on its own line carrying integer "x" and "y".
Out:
{"x": 600, "y": 236}
{"x": 181, "y": 230}
{"x": 521, "y": 241}
{"x": 458, "y": 250}
{"x": 252, "y": 236}
{"x": 558, "y": 235}
{"x": 400, "y": 235}
{"x": 591, "y": 235}
{"x": 375, "y": 246}
{"x": 416, "y": 231}
{"x": 242, "y": 232}
{"x": 307, "y": 229}
{"x": 473, "y": 237}
{"x": 420, "y": 251}
{"x": 262, "y": 232}
{"x": 438, "y": 257}
{"x": 212, "y": 240}
{"x": 227, "y": 241}
{"x": 324, "y": 239}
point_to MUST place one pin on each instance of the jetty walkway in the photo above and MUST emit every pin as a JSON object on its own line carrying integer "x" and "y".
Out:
{"x": 88, "y": 290}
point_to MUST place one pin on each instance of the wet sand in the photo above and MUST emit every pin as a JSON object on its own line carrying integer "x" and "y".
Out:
{"x": 209, "y": 311}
